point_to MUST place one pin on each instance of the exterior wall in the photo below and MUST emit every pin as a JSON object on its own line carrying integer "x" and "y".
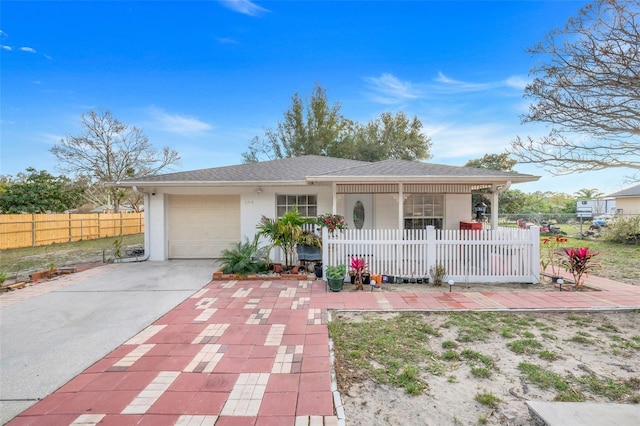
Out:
{"x": 386, "y": 211}
{"x": 628, "y": 205}
{"x": 253, "y": 206}
{"x": 457, "y": 208}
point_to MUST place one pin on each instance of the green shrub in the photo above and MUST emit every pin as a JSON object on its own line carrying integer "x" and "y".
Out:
{"x": 244, "y": 258}
{"x": 624, "y": 230}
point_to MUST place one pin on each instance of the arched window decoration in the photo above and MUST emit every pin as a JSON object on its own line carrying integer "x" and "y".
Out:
{"x": 358, "y": 214}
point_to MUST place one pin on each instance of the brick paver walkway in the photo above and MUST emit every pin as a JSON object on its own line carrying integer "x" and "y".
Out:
{"x": 255, "y": 353}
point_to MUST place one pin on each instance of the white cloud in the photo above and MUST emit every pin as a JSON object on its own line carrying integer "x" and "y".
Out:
{"x": 388, "y": 89}
{"x": 175, "y": 123}
{"x": 5, "y": 47}
{"x": 245, "y": 7}
{"x": 226, "y": 40}
{"x": 28, "y": 49}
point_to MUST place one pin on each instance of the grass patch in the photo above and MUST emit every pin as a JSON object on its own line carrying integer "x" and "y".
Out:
{"x": 524, "y": 346}
{"x": 449, "y": 344}
{"x": 477, "y": 357}
{"x": 488, "y": 398}
{"x": 606, "y": 387}
{"x": 546, "y": 379}
{"x": 451, "y": 355}
{"x": 388, "y": 351}
{"x": 481, "y": 372}
{"x": 581, "y": 338}
{"x": 64, "y": 254}
{"x": 548, "y": 355}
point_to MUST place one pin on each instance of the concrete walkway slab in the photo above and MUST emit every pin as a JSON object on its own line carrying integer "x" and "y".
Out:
{"x": 584, "y": 413}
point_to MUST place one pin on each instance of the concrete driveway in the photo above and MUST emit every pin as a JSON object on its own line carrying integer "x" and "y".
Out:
{"x": 64, "y": 326}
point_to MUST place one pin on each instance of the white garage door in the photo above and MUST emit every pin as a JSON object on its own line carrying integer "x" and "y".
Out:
{"x": 200, "y": 226}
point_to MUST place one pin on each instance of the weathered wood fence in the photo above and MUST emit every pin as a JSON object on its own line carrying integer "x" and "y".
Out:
{"x": 31, "y": 230}
{"x": 501, "y": 255}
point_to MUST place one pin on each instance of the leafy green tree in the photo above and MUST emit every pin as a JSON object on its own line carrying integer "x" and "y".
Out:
{"x": 314, "y": 127}
{"x": 501, "y": 162}
{"x": 586, "y": 89}
{"x": 311, "y": 127}
{"x": 512, "y": 201}
{"x": 588, "y": 194}
{"x": 391, "y": 137}
{"x": 107, "y": 151}
{"x": 507, "y": 202}
{"x": 39, "y": 192}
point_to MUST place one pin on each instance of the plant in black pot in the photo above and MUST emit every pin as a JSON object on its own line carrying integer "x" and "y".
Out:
{"x": 335, "y": 276}
{"x": 359, "y": 272}
{"x": 309, "y": 247}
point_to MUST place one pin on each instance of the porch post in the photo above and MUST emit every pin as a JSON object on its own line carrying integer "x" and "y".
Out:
{"x": 334, "y": 206}
{"x": 494, "y": 207}
{"x": 401, "y": 206}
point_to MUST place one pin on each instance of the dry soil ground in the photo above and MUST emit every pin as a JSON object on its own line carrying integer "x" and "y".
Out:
{"x": 596, "y": 354}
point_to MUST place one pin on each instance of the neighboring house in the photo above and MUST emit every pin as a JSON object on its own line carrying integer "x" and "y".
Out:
{"x": 627, "y": 201}
{"x": 196, "y": 214}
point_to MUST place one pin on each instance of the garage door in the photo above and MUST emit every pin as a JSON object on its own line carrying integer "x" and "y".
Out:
{"x": 200, "y": 226}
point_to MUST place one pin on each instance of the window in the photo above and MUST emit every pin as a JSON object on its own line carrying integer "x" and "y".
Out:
{"x": 422, "y": 210}
{"x": 307, "y": 204}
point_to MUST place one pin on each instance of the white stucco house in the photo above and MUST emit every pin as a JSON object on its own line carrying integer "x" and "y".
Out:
{"x": 196, "y": 214}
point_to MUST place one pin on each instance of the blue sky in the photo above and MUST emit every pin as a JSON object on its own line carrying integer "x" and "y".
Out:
{"x": 205, "y": 77}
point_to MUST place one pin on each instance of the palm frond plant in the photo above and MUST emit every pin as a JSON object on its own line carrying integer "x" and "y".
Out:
{"x": 284, "y": 232}
{"x": 245, "y": 258}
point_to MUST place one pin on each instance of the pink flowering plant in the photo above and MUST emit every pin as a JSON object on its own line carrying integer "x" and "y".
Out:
{"x": 332, "y": 222}
{"x": 580, "y": 262}
{"x": 358, "y": 267}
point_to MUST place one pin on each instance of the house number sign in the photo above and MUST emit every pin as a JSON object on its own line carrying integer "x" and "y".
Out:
{"x": 358, "y": 214}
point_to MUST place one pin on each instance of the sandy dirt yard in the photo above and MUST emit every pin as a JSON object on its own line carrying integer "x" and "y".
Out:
{"x": 506, "y": 357}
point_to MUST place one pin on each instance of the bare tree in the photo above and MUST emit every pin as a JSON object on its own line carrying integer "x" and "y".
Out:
{"x": 108, "y": 151}
{"x": 588, "y": 90}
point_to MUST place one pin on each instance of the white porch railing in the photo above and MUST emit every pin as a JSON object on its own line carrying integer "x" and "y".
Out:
{"x": 501, "y": 255}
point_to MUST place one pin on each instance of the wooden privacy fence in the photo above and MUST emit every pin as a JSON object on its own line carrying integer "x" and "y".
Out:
{"x": 31, "y": 230}
{"x": 501, "y": 255}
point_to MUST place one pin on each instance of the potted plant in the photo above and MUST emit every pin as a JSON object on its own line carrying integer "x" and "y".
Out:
{"x": 335, "y": 276}
{"x": 309, "y": 247}
{"x": 359, "y": 272}
{"x": 579, "y": 262}
{"x": 284, "y": 232}
{"x": 333, "y": 222}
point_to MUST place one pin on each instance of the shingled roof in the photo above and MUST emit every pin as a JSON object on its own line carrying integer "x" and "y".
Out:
{"x": 634, "y": 191}
{"x": 299, "y": 170}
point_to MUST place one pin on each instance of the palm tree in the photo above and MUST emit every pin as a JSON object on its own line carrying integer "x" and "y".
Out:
{"x": 588, "y": 194}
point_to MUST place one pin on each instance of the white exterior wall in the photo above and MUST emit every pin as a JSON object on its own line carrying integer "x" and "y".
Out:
{"x": 386, "y": 211}
{"x": 457, "y": 207}
{"x": 253, "y": 206}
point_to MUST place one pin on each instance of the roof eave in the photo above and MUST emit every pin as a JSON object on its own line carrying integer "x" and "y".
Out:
{"x": 210, "y": 184}
{"x": 422, "y": 179}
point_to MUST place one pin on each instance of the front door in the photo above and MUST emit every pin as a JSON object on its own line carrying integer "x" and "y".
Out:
{"x": 359, "y": 211}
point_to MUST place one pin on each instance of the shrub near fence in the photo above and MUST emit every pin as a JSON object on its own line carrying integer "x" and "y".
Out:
{"x": 31, "y": 230}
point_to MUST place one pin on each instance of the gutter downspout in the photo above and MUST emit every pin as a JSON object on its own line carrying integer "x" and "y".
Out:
{"x": 147, "y": 253}
{"x": 494, "y": 203}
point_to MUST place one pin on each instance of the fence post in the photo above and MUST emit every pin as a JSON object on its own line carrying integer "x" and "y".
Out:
{"x": 33, "y": 230}
{"x": 431, "y": 247}
{"x": 534, "y": 232}
{"x": 325, "y": 251}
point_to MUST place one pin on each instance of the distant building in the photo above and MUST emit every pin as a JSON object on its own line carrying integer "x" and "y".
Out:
{"x": 627, "y": 201}
{"x": 591, "y": 208}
